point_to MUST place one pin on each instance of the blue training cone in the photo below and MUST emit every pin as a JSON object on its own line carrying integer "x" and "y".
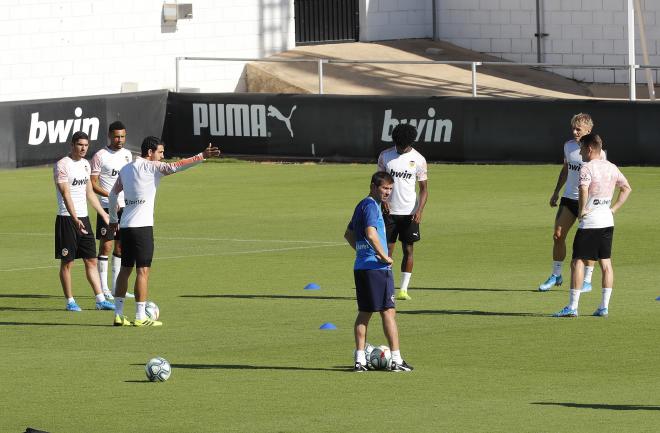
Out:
{"x": 658, "y": 298}
{"x": 312, "y": 286}
{"x": 328, "y": 326}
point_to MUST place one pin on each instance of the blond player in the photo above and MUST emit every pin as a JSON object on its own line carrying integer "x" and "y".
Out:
{"x": 593, "y": 239}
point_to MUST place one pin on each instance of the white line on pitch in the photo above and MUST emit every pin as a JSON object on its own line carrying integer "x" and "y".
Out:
{"x": 185, "y": 238}
{"x": 233, "y": 253}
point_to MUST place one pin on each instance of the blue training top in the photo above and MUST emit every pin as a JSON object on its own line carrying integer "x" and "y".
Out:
{"x": 368, "y": 214}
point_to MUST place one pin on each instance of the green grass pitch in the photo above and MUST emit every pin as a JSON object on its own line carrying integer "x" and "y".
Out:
{"x": 236, "y": 244}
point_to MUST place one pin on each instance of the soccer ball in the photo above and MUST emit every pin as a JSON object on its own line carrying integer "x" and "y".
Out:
{"x": 158, "y": 369}
{"x": 152, "y": 311}
{"x": 380, "y": 358}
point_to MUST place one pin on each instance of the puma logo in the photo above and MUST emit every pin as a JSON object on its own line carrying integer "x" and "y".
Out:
{"x": 274, "y": 112}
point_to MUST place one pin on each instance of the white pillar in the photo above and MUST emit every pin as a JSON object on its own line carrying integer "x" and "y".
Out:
{"x": 631, "y": 49}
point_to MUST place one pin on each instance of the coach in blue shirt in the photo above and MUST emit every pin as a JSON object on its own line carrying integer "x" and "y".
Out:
{"x": 374, "y": 283}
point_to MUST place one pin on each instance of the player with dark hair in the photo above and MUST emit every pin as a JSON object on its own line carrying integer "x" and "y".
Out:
{"x": 374, "y": 283}
{"x": 74, "y": 237}
{"x": 593, "y": 239}
{"x": 106, "y": 164}
{"x": 403, "y": 212}
{"x": 139, "y": 181}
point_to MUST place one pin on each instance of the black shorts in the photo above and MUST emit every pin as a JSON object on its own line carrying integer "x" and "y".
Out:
{"x": 570, "y": 204}
{"x": 102, "y": 228}
{"x": 137, "y": 246}
{"x": 374, "y": 289}
{"x": 70, "y": 244}
{"x": 401, "y": 227}
{"x": 593, "y": 244}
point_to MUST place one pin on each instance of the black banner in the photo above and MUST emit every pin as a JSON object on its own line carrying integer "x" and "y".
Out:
{"x": 42, "y": 130}
{"x": 330, "y": 127}
{"x": 449, "y": 128}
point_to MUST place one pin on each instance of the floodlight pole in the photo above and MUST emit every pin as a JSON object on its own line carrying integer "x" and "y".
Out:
{"x": 631, "y": 49}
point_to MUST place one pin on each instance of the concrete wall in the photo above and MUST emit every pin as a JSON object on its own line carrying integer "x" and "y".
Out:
{"x": 395, "y": 19}
{"x": 579, "y": 32}
{"x": 61, "y": 48}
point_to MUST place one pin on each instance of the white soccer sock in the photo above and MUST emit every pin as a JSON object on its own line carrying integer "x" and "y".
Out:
{"x": 102, "y": 265}
{"x": 396, "y": 357}
{"x": 556, "y": 267}
{"x": 119, "y": 306}
{"x": 116, "y": 267}
{"x": 139, "y": 311}
{"x": 573, "y": 299}
{"x": 100, "y": 297}
{"x": 588, "y": 271}
{"x": 360, "y": 357}
{"x": 605, "y": 302}
{"x": 70, "y": 300}
{"x": 405, "y": 280}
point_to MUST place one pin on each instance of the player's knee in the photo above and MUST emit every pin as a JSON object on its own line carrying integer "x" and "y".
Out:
{"x": 558, "y": 235}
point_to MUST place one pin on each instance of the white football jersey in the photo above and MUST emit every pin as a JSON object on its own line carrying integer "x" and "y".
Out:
{"x": 406, "y": 169}
{"x": 106, "y": 164}
{"x": 574, "y": 162}
{"x": 76, "y": 174}
{"x": 139, "y": 180}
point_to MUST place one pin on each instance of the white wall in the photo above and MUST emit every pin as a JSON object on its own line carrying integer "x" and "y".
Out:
{"x": 60, "y": 48}
{"x": 395, "y": 19}
{"x": 580, "y": 32}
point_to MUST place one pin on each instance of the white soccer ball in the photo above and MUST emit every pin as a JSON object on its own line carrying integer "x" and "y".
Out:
{"x": 158, "y": 369}
{"x": 380, "y": 358}
{"x": 152, "y": 310}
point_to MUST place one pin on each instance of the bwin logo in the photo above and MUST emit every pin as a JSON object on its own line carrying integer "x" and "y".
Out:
{"x": 59, "y": 131}
{"x": 434, "y": 130}
{"x": 237, "y": 120}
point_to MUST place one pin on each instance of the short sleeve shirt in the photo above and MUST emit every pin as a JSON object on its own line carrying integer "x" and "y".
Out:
{"x": 106, "y": 164}
{"x": 406, "y": 169}
{"x": 601, "y": 177}
{"x": 76, "y": 174}
{"x": 367, "y": 214}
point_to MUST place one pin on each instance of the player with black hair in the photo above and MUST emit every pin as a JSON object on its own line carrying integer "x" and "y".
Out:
{"x": 403, "y": 212}
{"x": 106, "y": 164}
{"x": 139, "y": 181}
{"x": 74, "y": 237}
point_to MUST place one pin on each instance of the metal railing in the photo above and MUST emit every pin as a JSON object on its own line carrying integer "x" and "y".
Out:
{"x": 472, "y": 64}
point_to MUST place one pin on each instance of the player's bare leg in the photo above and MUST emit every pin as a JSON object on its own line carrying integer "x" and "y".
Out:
{"x": 563, "y": 223}
{"x": 608, "y": 284}
{"x": 141, "y": 295}
{"x": 65, "y": 278}
{"x": 391, "y": 331}
{"x": 92, "y": 273}
{"x": 360, "y": 331}
{"x": 120, "y": 294}
{"x": 406, "y": 271}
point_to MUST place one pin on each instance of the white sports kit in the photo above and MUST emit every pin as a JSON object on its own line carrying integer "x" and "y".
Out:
{"x": 406, "y": 169}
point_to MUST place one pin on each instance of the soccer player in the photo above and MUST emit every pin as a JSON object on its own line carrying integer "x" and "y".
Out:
{"x": 374, "y": 283}
{"x": 74, "y": 237}
{"x": 403, "y": 212}
{"x": 106, "y": 164}
{"x": 139, "y": 181}
{"x": 593, "y": 239}
{"x": 567, "y": 213}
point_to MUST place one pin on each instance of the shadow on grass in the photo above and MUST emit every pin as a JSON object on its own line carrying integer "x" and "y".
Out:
{"x": 351, "y": 298}
{"x": 471, "y": 313}
{"x": 48, "y": 324}
{"x": 257, "y": 367}
{"x": 28, "y": 309}
{"x": 469, "y": 289}
{"x": 601, "y": 406}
